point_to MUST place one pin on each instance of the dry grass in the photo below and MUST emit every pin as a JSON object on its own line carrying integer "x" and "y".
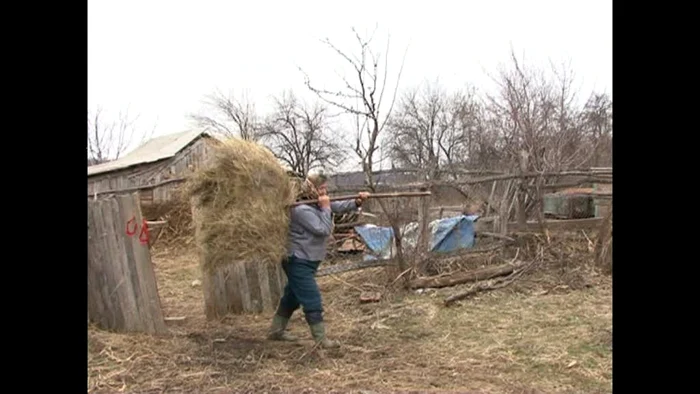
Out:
{"x": 540, "y": 334}
{"x": 177, "y": 214}
{"x": 242, "y": 199}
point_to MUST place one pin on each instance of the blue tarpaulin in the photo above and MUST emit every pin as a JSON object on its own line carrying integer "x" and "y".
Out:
{"x": 447, "y": 235}
{"x": 453, "y": 233}
{"x": 379, "y": 241}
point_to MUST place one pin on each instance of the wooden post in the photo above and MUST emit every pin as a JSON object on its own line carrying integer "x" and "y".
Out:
{"x": 423, "y": 241}
{"x": 238, "y": 286}
{"x": 521, "y": 191}
{"x": 504, "y": 210}
{"x": 122, "y": 288}
{"x": 603, "y": 245}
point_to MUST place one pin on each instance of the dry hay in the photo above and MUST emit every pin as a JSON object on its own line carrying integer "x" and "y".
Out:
{"x": 241, "y": 198}
{"x": 177, "y": 214}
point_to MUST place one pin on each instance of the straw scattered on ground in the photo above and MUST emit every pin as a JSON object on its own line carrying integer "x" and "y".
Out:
{"x": 551, "y": 332}
{"x": 241, "y": 197}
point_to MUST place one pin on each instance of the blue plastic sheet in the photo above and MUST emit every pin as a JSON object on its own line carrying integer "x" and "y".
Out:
{"x": 378, "y": 240}
{"x": 447, "y": 235}
{"x": 453, "y": 233}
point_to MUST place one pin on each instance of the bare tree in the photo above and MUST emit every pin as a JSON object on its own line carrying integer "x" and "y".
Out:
{"x": 229, "y": 116}
{"x": 363, "y": 96}
{"x": 596, "y": 122}
{"x": 299, "y": 135}
{"x": 434, "y": 130}
{"x": 107, "y": 140}
{"x": 535, "y": 118}
{"x": 538, "y": 127}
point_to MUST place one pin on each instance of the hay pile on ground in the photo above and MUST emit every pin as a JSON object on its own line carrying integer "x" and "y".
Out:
{"x": 241, "y": 199}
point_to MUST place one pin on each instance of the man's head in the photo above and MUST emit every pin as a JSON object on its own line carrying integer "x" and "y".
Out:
{"x": 314, "y": 185}
{"x": 319, "y": 182}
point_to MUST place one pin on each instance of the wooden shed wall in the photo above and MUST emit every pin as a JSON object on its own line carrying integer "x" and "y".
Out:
{"x": 179, "y": 166}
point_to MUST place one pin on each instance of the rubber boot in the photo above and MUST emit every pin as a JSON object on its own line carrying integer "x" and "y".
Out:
{"x": 318, "y": 331}
{"x": 278, "y": 331}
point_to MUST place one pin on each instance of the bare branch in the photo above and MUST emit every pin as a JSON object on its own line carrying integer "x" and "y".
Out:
{"x": 229, "y": 116}
{"x": 359, "y": 99}
{"x": 299, "y": 135}
{"x": 108, "y": 140}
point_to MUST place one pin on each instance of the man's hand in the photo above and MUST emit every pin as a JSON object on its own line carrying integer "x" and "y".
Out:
{"x": 324, "y": 201}
{"x": 361, "y": 198}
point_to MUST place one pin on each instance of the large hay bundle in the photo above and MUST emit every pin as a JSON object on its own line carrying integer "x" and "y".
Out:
{"x": 241, "y": 197}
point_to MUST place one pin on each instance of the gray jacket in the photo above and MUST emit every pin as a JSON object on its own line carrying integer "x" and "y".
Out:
{"x": 310, "y": 227}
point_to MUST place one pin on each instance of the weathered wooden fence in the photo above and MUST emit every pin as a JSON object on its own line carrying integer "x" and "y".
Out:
{"x": 239, "y": 286}
{"x": 122, "y": 289}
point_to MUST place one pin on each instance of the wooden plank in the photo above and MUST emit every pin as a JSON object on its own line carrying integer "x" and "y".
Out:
{"x": 273, "y": 273}
{"x": 217, "y": 301}
{"x": 111, "y": 272}
{"x": 264, "y": 285}
{"x": 95, "y": 305}
{"x": 209, "y": 300}
{"x": 241, "y": 282}
{"x": 251, "y": 276}
{"x": 131, "y": 273}
{"x": 281, "y": 277}
{"x": 122, "y": 289}
{"x": 224, "y": 292}
{"x": 233, "y": 289}
{"x": 149, "y": 300}
{"x": 102, "y": 311}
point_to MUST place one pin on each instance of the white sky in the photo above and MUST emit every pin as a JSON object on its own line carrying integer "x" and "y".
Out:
{"x": 160, "y": 58}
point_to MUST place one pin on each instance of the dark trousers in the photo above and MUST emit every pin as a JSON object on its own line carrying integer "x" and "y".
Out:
{"x": 301, "y": 290}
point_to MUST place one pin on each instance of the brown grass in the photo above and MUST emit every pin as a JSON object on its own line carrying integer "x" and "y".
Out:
{"x": 242, "y": 199}
{"x": 551, "y": 331}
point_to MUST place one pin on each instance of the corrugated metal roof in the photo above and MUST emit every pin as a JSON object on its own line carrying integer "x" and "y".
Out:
{"x": 153, "y": 150}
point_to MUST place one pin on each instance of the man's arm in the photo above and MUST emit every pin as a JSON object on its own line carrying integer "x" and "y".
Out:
{"x": 343, "y": 206}
{"x": 318, "y": 224}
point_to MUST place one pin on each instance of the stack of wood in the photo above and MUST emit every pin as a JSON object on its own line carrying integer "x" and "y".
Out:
{"x": 344, "y": 238}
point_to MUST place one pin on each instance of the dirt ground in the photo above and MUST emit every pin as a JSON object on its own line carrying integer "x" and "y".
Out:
{"x": 536, "y": 336}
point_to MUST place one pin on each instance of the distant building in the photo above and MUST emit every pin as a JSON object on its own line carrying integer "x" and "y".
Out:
{"x": 154, "y": 169}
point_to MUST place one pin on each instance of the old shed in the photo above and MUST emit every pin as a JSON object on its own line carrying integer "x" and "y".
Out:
{"x": 154, "y": 169}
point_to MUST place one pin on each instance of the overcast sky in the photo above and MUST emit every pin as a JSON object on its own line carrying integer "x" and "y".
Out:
{"x": 160, "y": 58}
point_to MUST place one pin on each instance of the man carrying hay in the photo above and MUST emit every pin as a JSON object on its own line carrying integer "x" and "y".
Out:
{"x": 309, "y": 229}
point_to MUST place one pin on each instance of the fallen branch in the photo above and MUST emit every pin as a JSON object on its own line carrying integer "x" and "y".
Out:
{"x": 486, "y": 286}
{"x": 460, "y": 278}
